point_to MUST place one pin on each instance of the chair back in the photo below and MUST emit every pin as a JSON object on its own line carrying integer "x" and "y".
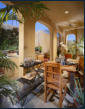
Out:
{"x": 68, "y": 56}
{"x": 52, "y": 73}
{"x": 81, "y": 63}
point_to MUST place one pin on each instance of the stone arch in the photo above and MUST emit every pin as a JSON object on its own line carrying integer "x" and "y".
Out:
{"x": 68, "y": 35}
{"x": 48, "y": 23}
{"x": 71, "y": 39}
{"x": 44, "y": 23}
{"x": 70, "y": 32}
{"x": 42, "y": 37}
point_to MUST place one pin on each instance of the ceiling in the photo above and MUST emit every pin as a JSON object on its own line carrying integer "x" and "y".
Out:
{"x": 75, "y": 17}
{"x": 56, "y": 13}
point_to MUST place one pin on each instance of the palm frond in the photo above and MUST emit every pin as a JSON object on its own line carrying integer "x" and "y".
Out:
{"x": 36, "y": 10}
{"x": 6, "y": 63}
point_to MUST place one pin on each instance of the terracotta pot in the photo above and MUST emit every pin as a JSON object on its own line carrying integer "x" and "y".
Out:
{"x": 1, "y": 71}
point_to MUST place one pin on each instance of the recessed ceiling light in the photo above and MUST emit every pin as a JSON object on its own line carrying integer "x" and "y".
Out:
{"x": 66, "y": 12}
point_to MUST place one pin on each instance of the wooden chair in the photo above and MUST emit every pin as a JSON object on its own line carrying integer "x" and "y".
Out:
{"x": 54, "y": 80}
{"x": 81, "y": 63}
{"x": 68, "y": 56}
{"x": 81, "y": 68}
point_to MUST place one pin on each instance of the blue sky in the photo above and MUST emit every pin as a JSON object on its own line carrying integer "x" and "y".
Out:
{"x": 71, "y": 37}
{"x": 38, "y": 26}
{"x": 2, "y": 5}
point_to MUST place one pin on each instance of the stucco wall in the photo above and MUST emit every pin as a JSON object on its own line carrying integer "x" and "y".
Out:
{"x": 42, "y": 39}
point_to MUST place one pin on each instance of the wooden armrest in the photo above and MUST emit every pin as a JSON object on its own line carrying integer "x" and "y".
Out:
{"x": 81, "y": 73}
{"x": 68, "y": 68}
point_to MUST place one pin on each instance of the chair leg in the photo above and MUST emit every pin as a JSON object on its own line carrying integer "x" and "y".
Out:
{"x": 45, "y": 94}
{"x": 65, "y": 91}
{"x": 60, "y": 99}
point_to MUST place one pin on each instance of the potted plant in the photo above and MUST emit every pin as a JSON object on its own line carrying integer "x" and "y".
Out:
{"x": 78, "y": 94}
{"x": 40, "y": 49}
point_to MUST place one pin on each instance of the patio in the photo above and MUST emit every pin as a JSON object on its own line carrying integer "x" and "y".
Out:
{"x": 63, "y": 18}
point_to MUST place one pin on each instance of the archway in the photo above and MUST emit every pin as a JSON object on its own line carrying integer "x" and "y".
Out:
{"x": 42, "y": 40}
{"x": 71, "y": 44}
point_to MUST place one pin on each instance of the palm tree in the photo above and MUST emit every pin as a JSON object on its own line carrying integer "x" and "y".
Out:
{"x": 10, "y": 12}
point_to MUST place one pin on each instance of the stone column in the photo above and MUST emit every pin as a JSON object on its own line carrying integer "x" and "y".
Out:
{"x": 54, "y": 45}
{"x": 21, "y": 47}
{"x": 29, "y": 38}
{"x": 26, "y": 42}
{"x": 51, "y": 45}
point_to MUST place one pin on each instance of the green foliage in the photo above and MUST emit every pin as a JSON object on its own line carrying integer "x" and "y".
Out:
{"x": 9, "y": 39}
{"x": 7, "y": 13}
{"x": 6, "y": 63}
{"x": 35, "y": 10}
{"x": 38, "y": 48}
{"x": 80, "y": 45}
{"x": 7, "y": 87}
{"x": 72, "y": 48}
{"x": 78, "y": 95}
{"x": 4, "y": 81}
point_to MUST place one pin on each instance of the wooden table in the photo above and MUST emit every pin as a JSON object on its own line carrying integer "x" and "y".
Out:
{"x": 68, "y": 68}
{"x": 71, "y": 69}
{"x": 27, "y": 67}
{"x": 28, "y": 78}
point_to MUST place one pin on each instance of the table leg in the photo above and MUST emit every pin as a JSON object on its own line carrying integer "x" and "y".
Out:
{"x": 72, "y": 83}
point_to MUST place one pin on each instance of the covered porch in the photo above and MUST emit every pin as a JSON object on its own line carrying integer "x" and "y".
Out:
{"x": 58, "y": 21}
{"x": 62, "y": 18}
